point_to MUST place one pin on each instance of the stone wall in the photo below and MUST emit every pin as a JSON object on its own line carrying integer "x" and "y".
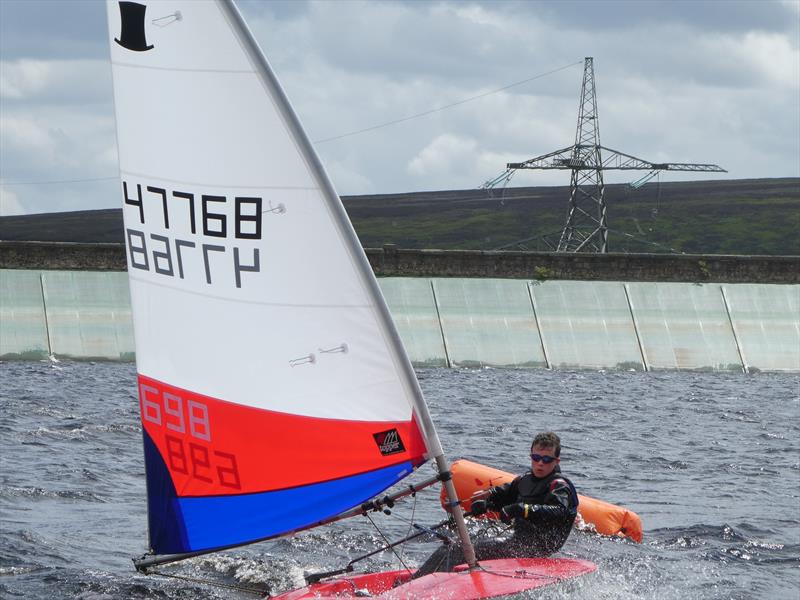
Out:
{"x": 393, "y": 262}
{"x": 390, "y": 261}
{"x": 62, "y": 256}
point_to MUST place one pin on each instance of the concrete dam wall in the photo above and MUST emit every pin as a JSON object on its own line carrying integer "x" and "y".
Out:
{"x": 465, "y": 322}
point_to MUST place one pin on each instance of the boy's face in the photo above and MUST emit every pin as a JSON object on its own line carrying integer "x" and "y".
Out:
{"x": 539, "y": 455}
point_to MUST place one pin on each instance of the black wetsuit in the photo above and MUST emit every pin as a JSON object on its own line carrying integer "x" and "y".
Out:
{"x": 552, "y": 507}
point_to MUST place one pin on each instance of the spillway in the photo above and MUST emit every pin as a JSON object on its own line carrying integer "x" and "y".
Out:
{"x": 465, "y": 322}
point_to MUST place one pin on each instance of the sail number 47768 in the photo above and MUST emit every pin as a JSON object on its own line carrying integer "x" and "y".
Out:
{"x": 186, "y": 431}
{"x": 221, "y": 218}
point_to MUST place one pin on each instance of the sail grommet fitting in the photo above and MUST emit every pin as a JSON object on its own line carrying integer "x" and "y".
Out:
{"x": 343, "y": 348}
{"x": 445, "y": 476}
{"x": 168, "y": 20}
{"x": 278, "y": 210}
{"x": 303, "y": 360}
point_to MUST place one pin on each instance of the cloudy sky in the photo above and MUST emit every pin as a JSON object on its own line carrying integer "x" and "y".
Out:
{"x": 679, "y": 81}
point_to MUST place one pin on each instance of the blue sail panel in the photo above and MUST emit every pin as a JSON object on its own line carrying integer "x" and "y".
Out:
{"x": 270, "y": 514}
{"x": 192, "y": 524}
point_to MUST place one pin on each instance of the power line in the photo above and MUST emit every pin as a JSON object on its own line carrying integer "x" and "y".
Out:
{"x": 445, "y": 107}
{"x": 3, "y": 183}
{"x": 351, "y": 133}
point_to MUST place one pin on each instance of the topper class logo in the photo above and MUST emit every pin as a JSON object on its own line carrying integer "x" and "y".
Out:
{"x": 132, "y": 35}
{"x": 389, "y": 442}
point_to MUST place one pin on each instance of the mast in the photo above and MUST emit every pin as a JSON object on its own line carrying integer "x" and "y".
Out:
{"x": 340, "y": 217}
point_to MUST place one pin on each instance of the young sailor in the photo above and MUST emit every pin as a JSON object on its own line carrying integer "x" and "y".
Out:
{"x": 541, "y": 505}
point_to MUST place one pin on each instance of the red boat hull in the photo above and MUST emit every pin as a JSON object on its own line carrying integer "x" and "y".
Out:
{"x": 492, "y": 579}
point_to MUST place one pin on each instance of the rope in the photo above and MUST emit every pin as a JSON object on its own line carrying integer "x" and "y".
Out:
{"x": 387, "y": 542}
{"x": 492, "y": 530}
{"x": 410, "y": 527}
{"x": 211, "y": 582}
{"x": 522, "y": 574}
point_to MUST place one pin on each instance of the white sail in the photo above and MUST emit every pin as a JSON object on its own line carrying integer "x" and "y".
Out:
{"x": 267, "y": 359}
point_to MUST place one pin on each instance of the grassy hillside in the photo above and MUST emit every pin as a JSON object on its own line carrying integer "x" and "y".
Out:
{"x": 757, "y": 216}
{"x": 714, "y": 217}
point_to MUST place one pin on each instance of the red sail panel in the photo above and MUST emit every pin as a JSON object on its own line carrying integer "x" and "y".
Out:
{"x": 214, "y": 447}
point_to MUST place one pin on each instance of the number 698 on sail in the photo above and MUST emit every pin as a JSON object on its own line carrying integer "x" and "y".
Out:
{"x": 186, "y": 430}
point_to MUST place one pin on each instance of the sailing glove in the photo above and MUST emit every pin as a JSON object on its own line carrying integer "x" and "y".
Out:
{"x": 513, "y": 511}
{"x": 495, "y": 498}
{"x": 479, "y": 507}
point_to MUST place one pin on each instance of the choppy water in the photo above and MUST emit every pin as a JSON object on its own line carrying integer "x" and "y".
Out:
{"x": 711, "y": 462}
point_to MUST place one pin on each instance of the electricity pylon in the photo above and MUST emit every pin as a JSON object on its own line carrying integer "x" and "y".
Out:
{"x": 586, "y": 229}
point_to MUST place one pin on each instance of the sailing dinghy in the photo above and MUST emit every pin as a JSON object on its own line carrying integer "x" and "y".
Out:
{"x": 275, "y": 393}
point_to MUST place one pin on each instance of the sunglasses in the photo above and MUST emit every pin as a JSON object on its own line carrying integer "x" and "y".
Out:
{"x": 542, "y": 459}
